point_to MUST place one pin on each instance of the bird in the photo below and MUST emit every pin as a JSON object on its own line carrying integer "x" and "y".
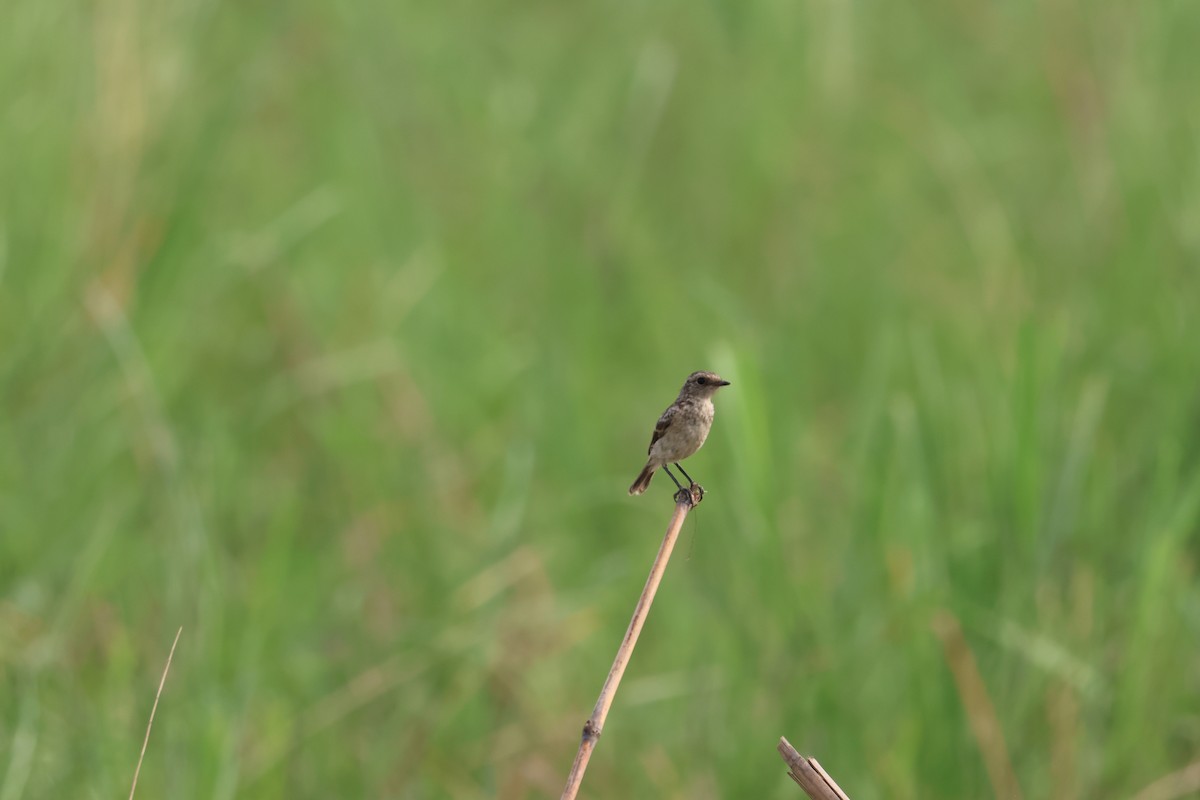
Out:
{"x": 681, "y": 429}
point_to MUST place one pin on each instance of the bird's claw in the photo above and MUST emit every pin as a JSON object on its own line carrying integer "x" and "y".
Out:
{"x": 691, "y": 496}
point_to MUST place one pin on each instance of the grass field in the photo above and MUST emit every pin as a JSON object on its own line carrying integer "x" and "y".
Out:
{"x": 334, "y": 334}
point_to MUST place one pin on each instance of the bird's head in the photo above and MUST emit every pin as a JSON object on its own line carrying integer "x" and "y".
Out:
{"x": 702, "y": 384}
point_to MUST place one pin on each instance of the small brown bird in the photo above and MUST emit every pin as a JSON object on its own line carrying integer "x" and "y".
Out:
{"x": 681, "y": 429}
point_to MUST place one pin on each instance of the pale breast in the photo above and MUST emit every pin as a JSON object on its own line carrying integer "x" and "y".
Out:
{"x": 689, "y": 428}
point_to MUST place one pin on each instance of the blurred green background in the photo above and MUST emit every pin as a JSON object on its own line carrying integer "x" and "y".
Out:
{"x": 335, "y": 332}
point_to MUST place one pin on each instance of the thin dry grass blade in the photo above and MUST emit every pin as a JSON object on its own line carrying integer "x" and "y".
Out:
{"x": 154, "y": 708}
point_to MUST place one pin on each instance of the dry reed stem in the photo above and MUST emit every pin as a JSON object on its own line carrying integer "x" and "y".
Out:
{"x": 981, "y": 714}
{"x": 161, "y": 682}
{"x": 685, "y": 500}
{"x": 805, "y": 770}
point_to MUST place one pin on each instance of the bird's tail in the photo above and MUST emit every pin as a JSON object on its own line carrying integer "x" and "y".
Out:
{"x": 643, "y": 480}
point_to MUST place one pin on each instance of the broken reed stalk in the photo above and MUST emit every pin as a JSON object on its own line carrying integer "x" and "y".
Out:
{"x": 813, "y": 779}
{"x": 685, "y": 501}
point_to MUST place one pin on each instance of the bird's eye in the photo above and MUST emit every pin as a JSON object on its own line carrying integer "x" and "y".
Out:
{"x": 702, "y": 381}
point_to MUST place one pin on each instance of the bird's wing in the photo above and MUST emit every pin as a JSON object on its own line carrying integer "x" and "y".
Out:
{"x": 664, "y": 422}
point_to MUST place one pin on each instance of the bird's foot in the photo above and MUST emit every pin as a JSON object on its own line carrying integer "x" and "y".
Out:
{"x": 691, "y": 496}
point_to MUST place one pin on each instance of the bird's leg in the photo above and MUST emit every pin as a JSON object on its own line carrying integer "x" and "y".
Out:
{"x": 683, "y": 495}
{"x": 689, "y": 477}
{"x": 668, "y": 471}
{"x": 694, "y": 489}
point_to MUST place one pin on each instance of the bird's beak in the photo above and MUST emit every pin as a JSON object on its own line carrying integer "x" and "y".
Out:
{"x": 723, "y": 383}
